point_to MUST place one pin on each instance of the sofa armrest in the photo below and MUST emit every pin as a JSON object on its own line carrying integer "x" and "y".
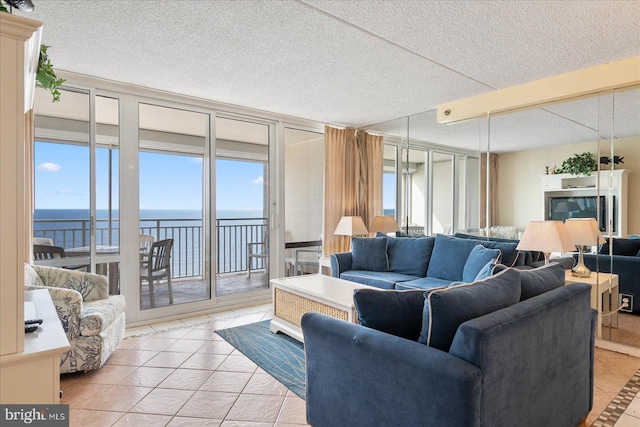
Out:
{"x": 91, "y": 286}
{"x": 340, "y": 262}
{"x": 68, "y": 304}
{"x": 404, "y": 382}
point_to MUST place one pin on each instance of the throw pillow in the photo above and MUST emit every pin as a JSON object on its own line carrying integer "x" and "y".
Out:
{"x": 538, "y": 280}
{"x": 478, "y": 258}
{"x": 369, "y": 254}
{"x": 487, "y": 270}
{"x": 397, "y": 313}
{"x": 446, "y": 309}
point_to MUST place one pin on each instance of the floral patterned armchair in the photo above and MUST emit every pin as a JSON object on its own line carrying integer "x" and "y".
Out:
{"x": 93, "y": 321}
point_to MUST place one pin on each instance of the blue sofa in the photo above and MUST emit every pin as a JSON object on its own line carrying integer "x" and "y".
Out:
{"x": 527, "y": 364}
{"x": 415, "y": 263}
{"x": 626, "y": 264}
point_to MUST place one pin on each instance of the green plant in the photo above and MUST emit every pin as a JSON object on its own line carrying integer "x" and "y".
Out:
{"x": 579, "y": 164}
{"x": 45, "y": 77}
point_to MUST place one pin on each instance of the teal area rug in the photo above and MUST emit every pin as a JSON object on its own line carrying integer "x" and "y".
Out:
{"x": 279, "y": 355}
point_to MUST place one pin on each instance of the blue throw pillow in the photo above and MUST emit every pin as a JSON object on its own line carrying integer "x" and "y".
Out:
{"x": 487, "y": 270}
{"x": 477, "y": 260}
{"x": 538, "y": 280}
{"x": 394, "y": 312}
{"x": 369, "y": 254}
{"x": 446, "y": 309}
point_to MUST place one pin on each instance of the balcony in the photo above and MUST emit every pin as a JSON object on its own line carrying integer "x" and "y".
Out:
{"x": 188, "y": 257}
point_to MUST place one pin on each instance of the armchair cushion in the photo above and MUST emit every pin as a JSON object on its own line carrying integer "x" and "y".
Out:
{"x": 369, "y": 254}
{"x": 446, "y": 309}
{"x": 91, "y": 286}
{"x": 98, "y": 315}
{"x": 397, "y": 313}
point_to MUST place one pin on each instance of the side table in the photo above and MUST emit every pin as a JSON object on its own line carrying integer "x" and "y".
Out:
{"x": 604, "y": 296}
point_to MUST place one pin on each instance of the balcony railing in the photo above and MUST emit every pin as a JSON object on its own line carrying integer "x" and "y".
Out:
{"x": 187, "y": 259}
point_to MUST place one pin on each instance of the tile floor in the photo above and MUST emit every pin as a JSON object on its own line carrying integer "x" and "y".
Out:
{"x": 186, "y": 375}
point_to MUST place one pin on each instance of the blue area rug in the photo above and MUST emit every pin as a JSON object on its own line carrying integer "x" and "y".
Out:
{"x": 279, "y": 355}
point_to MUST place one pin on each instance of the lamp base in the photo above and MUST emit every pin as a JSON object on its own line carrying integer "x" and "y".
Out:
{"x": 580, "y": 270}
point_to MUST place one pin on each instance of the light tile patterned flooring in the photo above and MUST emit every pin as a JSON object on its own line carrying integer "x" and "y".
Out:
{"x": 186, "y": 375}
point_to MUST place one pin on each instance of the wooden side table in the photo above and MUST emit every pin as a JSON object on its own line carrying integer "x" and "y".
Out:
{"x": 604, "y": 296}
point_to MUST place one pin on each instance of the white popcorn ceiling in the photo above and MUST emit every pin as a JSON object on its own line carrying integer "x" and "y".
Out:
{"x": 353, "y": 63}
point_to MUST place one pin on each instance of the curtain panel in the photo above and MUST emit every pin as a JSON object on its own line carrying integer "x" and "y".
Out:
{"x": 493, "y": 190}
{"x": 353, "y": 182}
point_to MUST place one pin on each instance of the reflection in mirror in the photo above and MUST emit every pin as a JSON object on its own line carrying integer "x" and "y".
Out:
{"x": 620, "y": 159}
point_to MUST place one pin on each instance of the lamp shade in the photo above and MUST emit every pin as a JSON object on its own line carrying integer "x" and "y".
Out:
{"x": 584, "y": 231}
{"x": 384, "y": 224}
{"x": 351, "y": 226}
{"x": 546, "y": 236}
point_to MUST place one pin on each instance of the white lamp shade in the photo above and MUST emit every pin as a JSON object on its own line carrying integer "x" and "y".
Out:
{"x": 384, "y": 224}
{"x": 351, "y": 226}
{"x": 546, "y": 236}
{"x": 584, "y": 231}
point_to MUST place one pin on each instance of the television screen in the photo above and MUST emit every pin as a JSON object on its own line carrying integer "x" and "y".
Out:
{"x": 562, "y": 208}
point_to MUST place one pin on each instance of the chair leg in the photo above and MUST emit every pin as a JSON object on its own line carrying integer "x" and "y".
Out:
{"x": 170, "y": 290}
{"x": 152, "y": 297}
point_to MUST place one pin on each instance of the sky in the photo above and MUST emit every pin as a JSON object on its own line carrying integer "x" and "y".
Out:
{"x": 167, "y": 181}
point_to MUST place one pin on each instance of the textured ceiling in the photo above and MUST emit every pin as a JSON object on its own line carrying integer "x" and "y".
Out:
{"x": 352, "y": 63}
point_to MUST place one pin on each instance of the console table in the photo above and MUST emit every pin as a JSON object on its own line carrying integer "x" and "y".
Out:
{"x": 604, "y": 296}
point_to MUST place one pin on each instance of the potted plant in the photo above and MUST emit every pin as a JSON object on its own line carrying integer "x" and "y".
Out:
{"x": 45, "y": 76}
{"x": 579, "y": 164}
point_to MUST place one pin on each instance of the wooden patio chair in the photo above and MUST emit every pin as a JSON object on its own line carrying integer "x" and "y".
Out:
{"x": 158, "y": 267}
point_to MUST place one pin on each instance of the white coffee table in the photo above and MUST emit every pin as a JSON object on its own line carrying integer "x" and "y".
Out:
{"x": 295, "y": 296}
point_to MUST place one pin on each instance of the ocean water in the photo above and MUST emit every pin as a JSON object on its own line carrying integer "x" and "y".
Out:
{"x": 70, "y": 228}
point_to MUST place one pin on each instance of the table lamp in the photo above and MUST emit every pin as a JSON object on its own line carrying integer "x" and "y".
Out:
{"x": 384, "y": 224}
{"x": 546, "y": 237}
{"x": 583, "y": 232}
{"x": 351, "y": 226}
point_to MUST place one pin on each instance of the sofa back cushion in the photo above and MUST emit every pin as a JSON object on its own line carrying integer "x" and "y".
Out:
{"x": 369, "y": 254}
{"x": 477, "y": 260}
{"x": 394, "y": 312}
{"x": 449, "y": 257}
{"x": 625, "y": 247}
{"x": 410, "y": 256}
{"x": 538, "y": 280}
{"x": 446, "y": 309}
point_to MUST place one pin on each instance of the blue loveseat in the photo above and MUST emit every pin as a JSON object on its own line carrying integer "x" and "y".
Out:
{"x": 417, "y": 263}
{"x": 527, "y": 364}
{"x": 626, "y": 264}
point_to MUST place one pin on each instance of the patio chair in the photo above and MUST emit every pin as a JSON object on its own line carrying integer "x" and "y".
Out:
{"x": 48, "y": 252}
{"x": 157, "y": 267}
{"x": 146, "y": 241}
{"x": 258, "y": 250}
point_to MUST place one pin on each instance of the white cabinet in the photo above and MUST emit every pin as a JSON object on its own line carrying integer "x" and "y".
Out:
{"x": 19, "y": 361}
{"x": 603, "y": 195}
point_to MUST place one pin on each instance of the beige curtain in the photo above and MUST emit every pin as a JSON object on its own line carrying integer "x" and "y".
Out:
{"x": 353, "y": 182}
{"x": 493, "y": 190}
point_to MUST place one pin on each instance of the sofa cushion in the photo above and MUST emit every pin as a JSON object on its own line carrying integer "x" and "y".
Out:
{"x": 477, "y": 260}
{"x": 394, "y": 312}
{"x": 96, "y": 316}
{"x": 369, "y": 254}
{"x": 538, "y": 280}
{"x": 449, "y": 256}
{"x": 410, "y": 256}
{"x": 426, "y": 283}
{"x": 446, "y": 309}
{"x": 379, "y": 279}
{"x": 91, "y": 286}
{"x": 625, "y": 247}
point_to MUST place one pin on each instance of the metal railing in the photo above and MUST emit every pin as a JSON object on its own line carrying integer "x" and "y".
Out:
{"x": 233, "y": 234}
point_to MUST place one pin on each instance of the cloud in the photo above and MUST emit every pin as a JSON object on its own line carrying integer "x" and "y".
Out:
{"x": 48, "y": 167}
{"x": 258, "y": 181}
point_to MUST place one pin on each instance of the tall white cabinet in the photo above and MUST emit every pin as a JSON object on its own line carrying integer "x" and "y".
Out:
{"x": 29, "y": 368}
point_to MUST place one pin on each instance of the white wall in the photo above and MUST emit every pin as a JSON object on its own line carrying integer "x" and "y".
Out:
{"x": 520, "y": 188}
